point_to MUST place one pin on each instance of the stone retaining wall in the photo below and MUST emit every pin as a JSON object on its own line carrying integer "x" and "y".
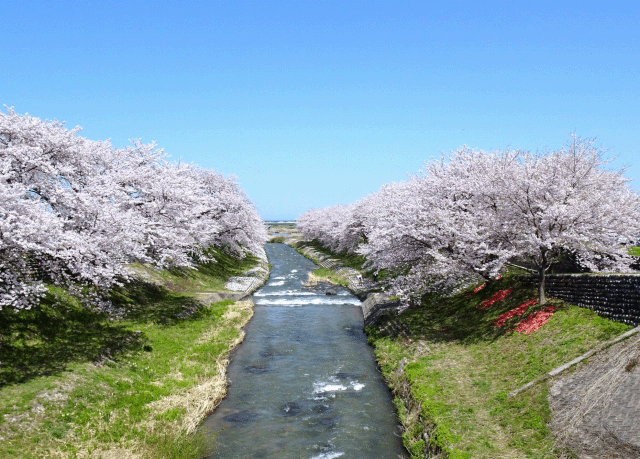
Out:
{"x": 378, "y": 306}
{"x": 357, "y": 284}
{"x": 375, "y": 305}
{"x": 240, "y": 287}
{"x": 614, "y": 296}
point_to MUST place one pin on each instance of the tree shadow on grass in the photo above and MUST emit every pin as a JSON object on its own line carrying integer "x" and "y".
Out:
{"x": 47, "y": 338}
{"x": 60, "y": 331}
{"x": 461, "y": 317}
{"x": 144, "y": 302}
{"x": 226, "y": 265}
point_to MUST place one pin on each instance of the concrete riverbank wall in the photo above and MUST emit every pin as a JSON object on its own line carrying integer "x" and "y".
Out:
{"x": 375, "y": 304}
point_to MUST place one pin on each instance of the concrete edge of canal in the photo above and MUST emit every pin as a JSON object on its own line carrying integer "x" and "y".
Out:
{"x": 375, "y": 304}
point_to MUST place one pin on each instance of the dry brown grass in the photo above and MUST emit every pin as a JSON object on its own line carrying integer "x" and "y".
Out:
{"x": 201, "y": 400}
{"x": 314, "y": 279}
{"x": 105, "y": 451}
{"x": 197, "y": 401}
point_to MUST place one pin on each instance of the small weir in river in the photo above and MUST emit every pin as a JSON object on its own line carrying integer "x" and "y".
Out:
{"x": 304, "y": 383}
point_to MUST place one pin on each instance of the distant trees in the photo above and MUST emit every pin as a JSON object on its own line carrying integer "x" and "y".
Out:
{"x": 75, "y": 211}
{"x": 473, "y": 211}
{"x": 335, "y": 227}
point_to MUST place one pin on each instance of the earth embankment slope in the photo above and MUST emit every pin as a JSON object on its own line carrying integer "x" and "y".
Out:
{"x": 452, "y": 361}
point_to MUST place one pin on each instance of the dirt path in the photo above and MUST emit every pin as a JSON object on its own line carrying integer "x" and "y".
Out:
{"x": 596, "y": 409}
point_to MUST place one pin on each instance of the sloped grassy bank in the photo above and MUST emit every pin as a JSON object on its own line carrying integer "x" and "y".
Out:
{"x": 457, "y": 360}
{"x": 328, "y": 275}
{"x": 451, "y": 362}
{"x": 76, "y": 384}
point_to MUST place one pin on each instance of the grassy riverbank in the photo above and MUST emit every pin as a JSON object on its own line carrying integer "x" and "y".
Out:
{"x": 76, "y": 384}
{"x": 456, "y": 363}
{"x": 347, "y": 259}
{"x": 452, "y": 361}
{"x": 326, "y": 275}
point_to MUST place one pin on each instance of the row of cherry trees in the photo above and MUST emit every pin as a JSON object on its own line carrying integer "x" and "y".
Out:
{"x": 75, "y": 211}
{"x": 473, "y": 211}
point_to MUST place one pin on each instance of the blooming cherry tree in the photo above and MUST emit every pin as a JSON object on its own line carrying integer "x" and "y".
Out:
{"x": 471, "y": 212}
{"x": 76, "y": 212}
{"x": 567, "y": 201}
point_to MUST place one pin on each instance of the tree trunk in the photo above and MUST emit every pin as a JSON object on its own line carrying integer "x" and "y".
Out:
{"x": 542, "y": 277}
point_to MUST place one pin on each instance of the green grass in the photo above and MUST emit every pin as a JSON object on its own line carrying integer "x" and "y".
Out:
{"x": 348, "y": 259}
{"x": 330, "y": 276}
{"x": 634, "y": 251}
{"x": 72, "y": 380}
{"x": 461, "y": 385}
{"x": 207, "y": 277}
{"x": 281, "y": 224}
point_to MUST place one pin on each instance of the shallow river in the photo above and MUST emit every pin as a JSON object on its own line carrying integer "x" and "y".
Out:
{"x": 304, "y": 383}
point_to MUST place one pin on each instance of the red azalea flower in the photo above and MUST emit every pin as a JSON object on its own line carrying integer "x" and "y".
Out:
{"x": 499, "y": 295}
{"x": 535, "y": 320}
{"x": 518, "y": 311}
{"x": 478, "y": 288}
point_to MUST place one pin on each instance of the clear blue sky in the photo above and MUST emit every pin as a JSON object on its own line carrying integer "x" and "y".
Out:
{"x": 315, "y": 103}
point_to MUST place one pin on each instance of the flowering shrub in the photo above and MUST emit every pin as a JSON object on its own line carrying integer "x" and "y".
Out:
{"x": 500, "y": 321}
{"x": 498, "y": 296}
{"x": 535, "y": 320}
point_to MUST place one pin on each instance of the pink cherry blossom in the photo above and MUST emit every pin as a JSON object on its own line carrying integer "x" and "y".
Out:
{"x": 76, "y": 212}
{"x": 466, "y": 215}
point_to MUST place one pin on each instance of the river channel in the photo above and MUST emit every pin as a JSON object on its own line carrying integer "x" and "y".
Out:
{"x": 304, "y": 383}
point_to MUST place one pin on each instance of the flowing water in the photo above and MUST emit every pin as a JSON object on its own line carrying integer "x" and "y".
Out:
{"x": 304, "y": 383}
